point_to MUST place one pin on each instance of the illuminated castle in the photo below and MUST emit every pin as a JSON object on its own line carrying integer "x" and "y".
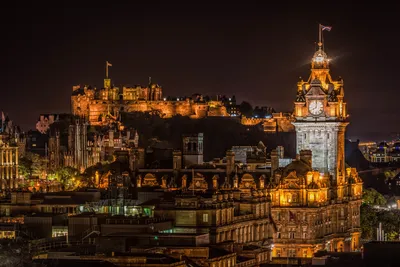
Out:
{"x": 316, "y": 199}
{"x": 97, "y": 105}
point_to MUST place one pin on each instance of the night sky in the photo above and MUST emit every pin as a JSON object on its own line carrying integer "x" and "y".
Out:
{"x": 256, "y": 52}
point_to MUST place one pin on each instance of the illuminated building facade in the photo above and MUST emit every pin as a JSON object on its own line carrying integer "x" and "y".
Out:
{"x": 385, "y": 152}
{"x": 86, "y": 148}
{"x": 8, "y": 166}
{"x": 12, "y": 145}
{"x": 97, "y": 105}
{"x": 315, "y": 199}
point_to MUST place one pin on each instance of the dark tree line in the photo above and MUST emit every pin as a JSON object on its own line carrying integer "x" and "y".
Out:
{"x": 220, "y": 133}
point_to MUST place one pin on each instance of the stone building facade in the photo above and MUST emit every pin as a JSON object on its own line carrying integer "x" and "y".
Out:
{"x": 98, "y": 104}
{"x": 12, "y": 146}
{"x": 278, "y": 122}
{"x": 8, "y": 166}
{"x": 316, "y": 199}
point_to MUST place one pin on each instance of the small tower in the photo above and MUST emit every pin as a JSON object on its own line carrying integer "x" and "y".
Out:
{"x": 192, "y": 149}
{"x": 230, "y": 162}
{"x": 177, "y": 160}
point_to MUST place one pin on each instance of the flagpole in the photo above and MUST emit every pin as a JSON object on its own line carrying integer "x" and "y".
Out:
{"x": 106, "y": 69}
{"x": 320, "y": 36}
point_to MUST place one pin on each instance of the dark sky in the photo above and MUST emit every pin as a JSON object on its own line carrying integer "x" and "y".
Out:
{"x": 256, "y": 52}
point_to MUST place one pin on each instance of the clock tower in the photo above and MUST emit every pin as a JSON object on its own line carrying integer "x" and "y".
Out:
{"x": 321, "y": 118}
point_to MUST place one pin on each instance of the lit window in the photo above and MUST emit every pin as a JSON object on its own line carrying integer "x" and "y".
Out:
{"x": 205, "y": 217}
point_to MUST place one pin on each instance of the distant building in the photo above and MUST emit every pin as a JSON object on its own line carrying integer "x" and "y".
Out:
{"x": 96, "y": 105}
{"x": 86, "y": 148}
{"x": 12, "y": 143}
{"x": 231, "y": 106}
{"x": 385, "y": 152}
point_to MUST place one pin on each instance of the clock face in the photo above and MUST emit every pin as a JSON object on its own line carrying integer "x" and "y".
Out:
{"x": 316, "y": 107}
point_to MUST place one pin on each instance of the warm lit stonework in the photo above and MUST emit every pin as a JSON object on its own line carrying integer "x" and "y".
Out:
{"x": 98, "y": 105}
{"x": 316, "y": 199}
{"x": 8, "y": 164}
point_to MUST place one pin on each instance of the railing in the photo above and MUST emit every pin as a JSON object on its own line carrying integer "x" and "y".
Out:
{"x": 44, "y": 247}
{"x": 251, "y": 262}
{"x": 93, "y": 229}
{"x": 137, "y": 220}
{"x": 243, "y": 217}
{"x": 292, "y": 261}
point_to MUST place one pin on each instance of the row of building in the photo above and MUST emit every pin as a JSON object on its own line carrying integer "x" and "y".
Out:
{"x": 253, "y": 207}
{"x": 384, "y": 152}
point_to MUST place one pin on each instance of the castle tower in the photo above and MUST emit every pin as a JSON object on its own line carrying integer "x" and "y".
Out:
{"x": 192, "y": 149}
{"x": 321, "y": 118}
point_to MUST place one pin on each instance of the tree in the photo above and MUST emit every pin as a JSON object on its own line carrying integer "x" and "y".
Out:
{"x": 368, "y": 221}
{"x": 65, "y": 174}
{"x": 25, "y": 167}
{"x": 33, "y": 164}
{"x": 246, "y": 109}
{"x": 373, "y": 197}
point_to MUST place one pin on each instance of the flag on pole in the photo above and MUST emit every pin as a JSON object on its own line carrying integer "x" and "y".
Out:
{"x": 109, "y": 64}
{"x": 326, "y": 28}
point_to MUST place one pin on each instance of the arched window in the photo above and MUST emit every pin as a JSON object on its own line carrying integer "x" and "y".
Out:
{"x": 289, "y": 198}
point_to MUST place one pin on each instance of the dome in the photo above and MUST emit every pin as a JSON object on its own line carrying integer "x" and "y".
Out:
{"x": 320, "y": 55}
{"x": 320, "y": 59}
{"x": 299, "y": 166}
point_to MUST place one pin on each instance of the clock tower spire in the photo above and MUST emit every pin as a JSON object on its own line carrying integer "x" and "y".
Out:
{"x": 321, "y": 116}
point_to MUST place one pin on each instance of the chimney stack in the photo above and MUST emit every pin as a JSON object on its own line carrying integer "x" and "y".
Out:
{"x": 274, "y": 161}
{"x": 306, "y": 156}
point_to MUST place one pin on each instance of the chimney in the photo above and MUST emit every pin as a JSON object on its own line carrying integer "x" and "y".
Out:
{"x": 281, "y": 151}
{"x": 111, "y": 138}
{"x": 306, "y": 156}
{"x": 177, "y": 159}
{"x": 274, "y": 161}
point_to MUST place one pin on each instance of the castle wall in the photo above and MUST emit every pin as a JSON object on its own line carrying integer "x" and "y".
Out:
{"x": 83, "y": 105}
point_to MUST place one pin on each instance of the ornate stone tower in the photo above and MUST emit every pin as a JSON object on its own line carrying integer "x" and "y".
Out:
{"x": 321, "y": 118}
{"x": 193, "y": 149}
